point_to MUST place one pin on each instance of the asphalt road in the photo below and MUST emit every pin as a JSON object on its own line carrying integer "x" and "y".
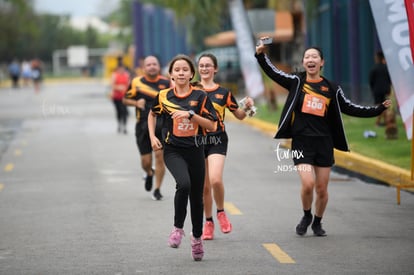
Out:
{"x": 72, "y": 201}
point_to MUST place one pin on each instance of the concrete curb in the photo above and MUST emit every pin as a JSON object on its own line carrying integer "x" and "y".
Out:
{"x": 378, "y": 170}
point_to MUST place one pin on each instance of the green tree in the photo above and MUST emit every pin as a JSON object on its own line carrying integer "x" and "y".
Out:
{"x": 24, "y": 34}
{"x": 14, "y": 34}
{"x": 91, "y": 37}
{"x": 55, "y": 33}
{"x": 122, "y": 16}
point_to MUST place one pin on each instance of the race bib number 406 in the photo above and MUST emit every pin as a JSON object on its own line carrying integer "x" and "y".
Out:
{"x": 183, "y": 127}
{"x": 314, "y": 105}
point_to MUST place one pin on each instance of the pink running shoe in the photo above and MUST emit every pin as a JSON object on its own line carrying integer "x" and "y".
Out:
{"x": 175, "y": 237}
{"x": 208, "y": 231}
{"x": 197, "y": 248}
{"x": 225, "y": 224}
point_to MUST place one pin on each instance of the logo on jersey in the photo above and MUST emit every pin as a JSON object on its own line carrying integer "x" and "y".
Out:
{"x": 193, "y": 103}
{"x": 324, "y": 89}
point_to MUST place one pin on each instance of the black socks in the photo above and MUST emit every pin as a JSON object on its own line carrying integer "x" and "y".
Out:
{"x": 210, "y": 219}
{"x": 317, "y": 220}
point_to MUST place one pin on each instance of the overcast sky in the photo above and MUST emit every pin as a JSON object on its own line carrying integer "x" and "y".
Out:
{"x": 76, "y": 7}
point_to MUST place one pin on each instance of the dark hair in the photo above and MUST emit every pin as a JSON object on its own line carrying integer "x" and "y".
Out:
{"x": 319, "y": 50}
{"x": 197, "y": 84}
{"x": 211, "y": 56}
{"x": 300, "y": 73}
{"x": 182, "y": 57}
{"x": 119, "y": 61}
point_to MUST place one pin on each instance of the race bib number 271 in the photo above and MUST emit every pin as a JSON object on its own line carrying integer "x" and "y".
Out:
{"x": 183, "y": 127}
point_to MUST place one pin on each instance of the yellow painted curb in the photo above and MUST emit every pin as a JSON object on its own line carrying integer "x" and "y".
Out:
{"x": 376, "y": 169}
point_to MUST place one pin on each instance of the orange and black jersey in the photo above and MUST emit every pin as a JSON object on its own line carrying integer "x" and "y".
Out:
{"x": 221, "y": 98}
{"x": 311, "y": 111}
{"x": 141, "y": 87}
{"x": 182, "y": 132}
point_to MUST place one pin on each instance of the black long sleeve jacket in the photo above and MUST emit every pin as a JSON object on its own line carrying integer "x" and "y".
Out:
{"x": 294, "y": 83}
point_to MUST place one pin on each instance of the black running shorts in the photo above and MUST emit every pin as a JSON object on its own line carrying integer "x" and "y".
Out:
{"x": 312, "y": 150}
{"x": 215, "y": 144}
{"x": 142, "y": 136}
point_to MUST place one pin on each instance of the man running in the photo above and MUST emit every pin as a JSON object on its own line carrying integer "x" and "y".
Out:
{"x": 143, "y": 90}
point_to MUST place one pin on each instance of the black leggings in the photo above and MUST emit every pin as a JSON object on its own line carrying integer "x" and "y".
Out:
{"x": 121, "y": 111}
{"x": 187, "y": 167}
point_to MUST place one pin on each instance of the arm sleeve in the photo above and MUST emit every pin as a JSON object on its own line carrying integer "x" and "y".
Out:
{"x": 352, "y": 109}
{"x": 207, "y": 109}
{"x": 231, "y": 102}
{"x": 156, "y": 106}
{"x": 132, "y": 92}
{"x": 282, "y": 78}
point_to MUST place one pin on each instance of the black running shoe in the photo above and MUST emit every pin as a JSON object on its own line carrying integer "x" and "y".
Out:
{"x": 318, "y": 231}
{"x": 156, "y": 196}
{"x": 148, "y": 181}
{"x": 302, "y": 227}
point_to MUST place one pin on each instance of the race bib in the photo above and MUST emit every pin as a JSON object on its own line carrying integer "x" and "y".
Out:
{"x": 183, "y": 127}
{"x": 314, "y": 105}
